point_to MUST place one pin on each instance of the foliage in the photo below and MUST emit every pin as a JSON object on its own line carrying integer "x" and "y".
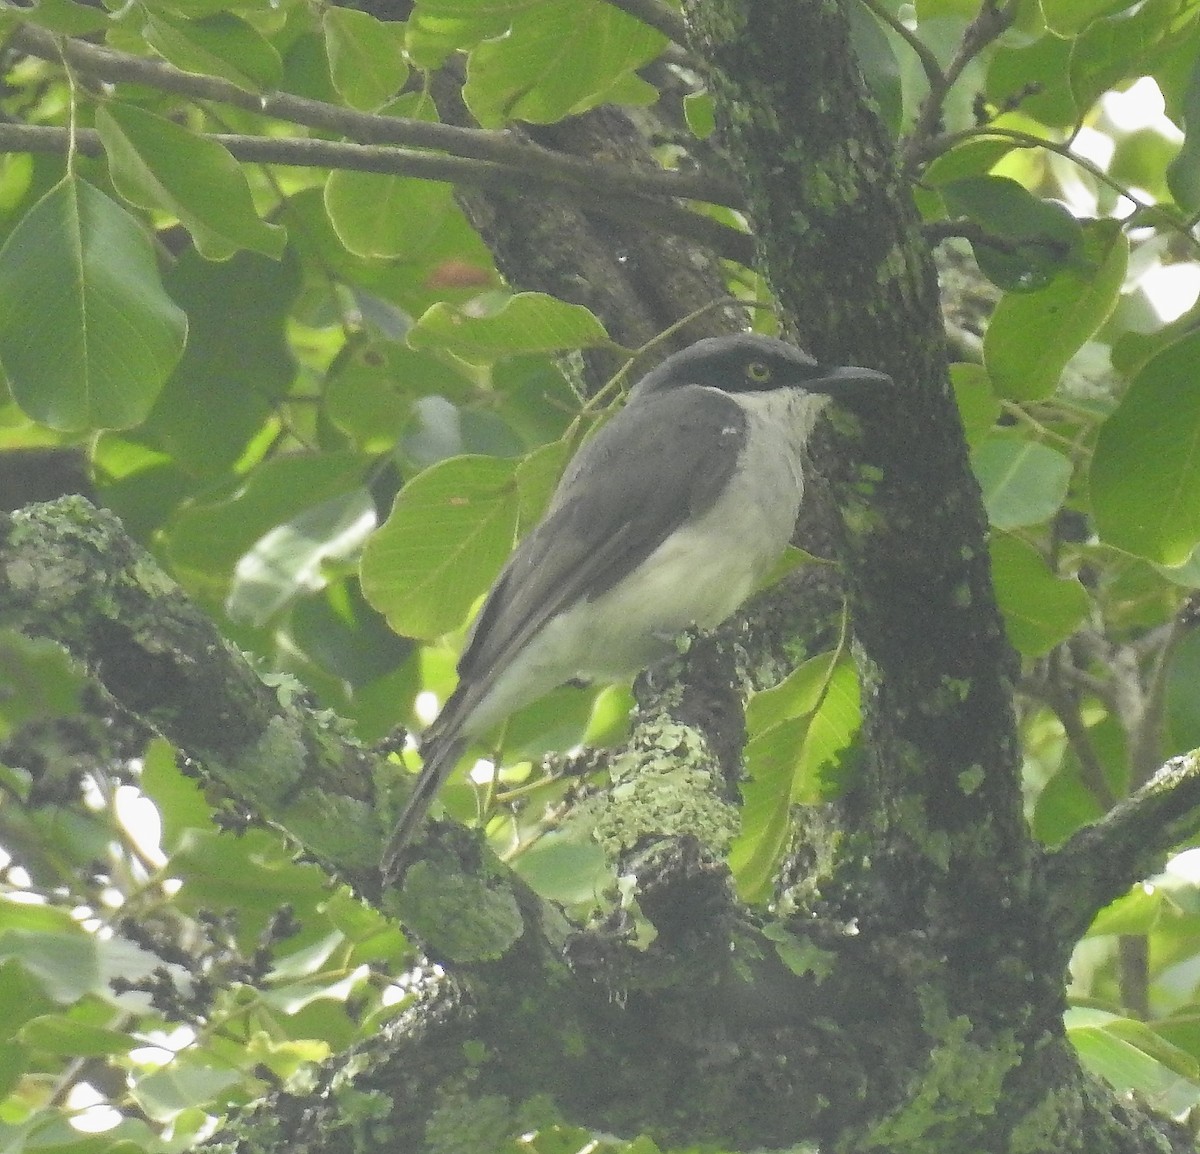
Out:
{"x": 298, "y": 377}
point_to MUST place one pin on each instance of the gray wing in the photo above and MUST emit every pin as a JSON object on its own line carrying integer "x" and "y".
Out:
{"x": 660, "y": 461}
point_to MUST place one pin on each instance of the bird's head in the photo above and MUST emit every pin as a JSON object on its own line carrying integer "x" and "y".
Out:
{"x": 751, "y": 363}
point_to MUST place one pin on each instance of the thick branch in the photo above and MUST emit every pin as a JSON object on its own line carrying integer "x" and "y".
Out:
{"x": 69, "y": 573}
{"x": 843, "y": 250}
{"x": 1101, "y": 861}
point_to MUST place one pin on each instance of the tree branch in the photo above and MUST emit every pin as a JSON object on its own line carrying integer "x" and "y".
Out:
{"x": 69, "y": 573}
{"x": 993, "y": 18}
{"x": 1099, "y": 863}
{"x": 365, "y": 128}
{"x": 662, "y": 215}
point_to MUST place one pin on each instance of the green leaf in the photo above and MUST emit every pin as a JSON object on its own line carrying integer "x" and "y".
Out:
{"x": 438, "y": 27}
{"x": 880, "y": 67}
{"x": 1137, "y": 912}
{"x": 179, "y": 799}
{"x": 237, "y": 362}
{"x": 1066, "y": 18}
{"x": 370, "y": 392}
{"x": 387, "y": 216}
{"x": 1064, "y": 805}
{"x": 1145, "y": 475}
{"x": 564, "y": 869}
{"x": 1039, "y": 608}
{"x": 970, "y": 158}
{"x": 345, "y": 637}
{"x": 537, "y": 475}
{"x": 449, "y": 531}
{"x": 221, "y": 44}
{"x": 793, "y": 760}
{"x": 1115, "y": 47}
{"x": 1032, "y": 336}
{"x": 699, "y": 113}
{"x": 209, "y": 539}
{"x": 62, "y": 1034}
{"x": 1133, "y": 1059}
{"x": 23, "y": 999}
{"x": 978, "y": 406}
{"x": 156, "y": 164}
{"x": 1037, "y": 74}
{"x": 524, "y": 323}
{"x": 66, "y": 17}
{"x": 560, "y": 58}
{"x": 1024, "y": 482}
{"x": 185, "y": 1082}
{"x": 64, "y": 964}
{"x": 37, "y": 681}
{"x": 288, "y": 559}
{"x": 1033, "y": 238}
{"x": 366, "y": 56}
{"x": 797, "y": 695}
{"x": 87, "y": 334}
{"x": 834, "y": 724}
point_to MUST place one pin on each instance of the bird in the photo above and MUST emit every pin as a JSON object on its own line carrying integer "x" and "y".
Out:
{"x": 666, "y": 519}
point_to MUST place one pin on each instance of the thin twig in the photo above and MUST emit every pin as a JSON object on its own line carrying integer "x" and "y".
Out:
{"x": 934, "y": 75}
{"x": 1029, "y": 140}
{"x": 1065, "y": 706}
{"x": 992, "y": 19}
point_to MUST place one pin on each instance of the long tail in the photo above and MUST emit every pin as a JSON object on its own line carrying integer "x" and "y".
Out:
{"x": 440, "y": 759}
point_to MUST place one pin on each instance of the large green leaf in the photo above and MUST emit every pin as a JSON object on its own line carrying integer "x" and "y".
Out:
{"x": 209, "y": 538}
{"x": 289, "y": 559}
{"x": 88, "y": 336}
{"x": 798, "y": 729}
{"x": 438, "y": 27}
{"x": 67, "y": 965}
{"x": 1120, "y": 45}
{"x": 366, "y": 56}
{"x": 1033, "y": 335}
{"x": 1128, "y": 1054}
{"x": 1024, "y": 482}
{"x": 1036, "y": 74}
{"x": 978, "y": 406}
{"x": 387, "y": 216}
{"x": 238, "y": 362}
{"x": 221, "y": 44}
{"x": 561, "y": 57}
{"x": 1065, "y": 18}
{"x": 1040, "y": 609}
{"x": 525, "y": 323}
{"x": 64, "y": 1034}
{"x": 448, "y": 534}
{"x": 156, "y": 164}
{"x": 1025, "y": 241}
{"x": 1145, "y": 476}
{"x": 66, "y": 17}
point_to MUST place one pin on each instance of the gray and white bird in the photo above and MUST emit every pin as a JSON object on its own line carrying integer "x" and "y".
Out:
{"x": 667, "y": 518}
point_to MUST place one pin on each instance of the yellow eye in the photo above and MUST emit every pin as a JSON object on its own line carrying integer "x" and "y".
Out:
{"x": 758, "y": 372}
